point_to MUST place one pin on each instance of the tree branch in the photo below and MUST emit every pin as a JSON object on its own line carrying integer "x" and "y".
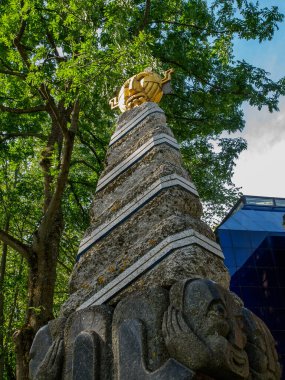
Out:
{"x": 200, "y": 28}
{"x": 14, "y": 73}
{"x": 46, "y": 161}
{"x": 69, "y": 270}
{"x": 75, "y": 117}
{"x": 83, "y": 162}
{"x": 191, "y": 119}
{"x": 54, "y": 47}
{"x": 101, "y": 142}
{"x": 92, "y": 150}
{"x": 178, "y": 64}
{"x": 17, "y": 40}
{"x": 43, "y": 90}
{"x": 146, "y": 16}
{"x": 21, "y": 31}
{"x": 35, "y": 109}
{"x": 77, "y": 198}
{"x": 84, "y": 183}
{"x": 183, "y": 99}
{"x": 52, "y": 109}
{"x": 177, "y": 23}
{"x": 62, "y": 178}
{"x": 7, "y": 136}
{"x": 16, "y": 244}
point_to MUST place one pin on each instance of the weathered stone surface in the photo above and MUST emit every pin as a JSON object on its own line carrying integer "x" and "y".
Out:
{"x": 130, "y": 241}
{"x": 159, "y": 162}
{"x": 130, "y": 115}
{"x": 136, "y": 156}
{"x": 166, "y": 214}
{"x": 47, "y": 351}
{"x": 141, "y": 202}
{"x": 203, "y": 330}
{"x": 148, "y": 307}
{"x": 131, "y": 361}
{"x": 138, "y": 344}
{"x": 260, "y": 348}
{"x": 199, "y": 330}
{"x": 97, "y": 322}
{"x": 182, "y": 263}
{"x": 126, "y": 237}
{"x": 124, "y": 147}
{"x": 39, "y": 349}
{"x": 86, "y": 356}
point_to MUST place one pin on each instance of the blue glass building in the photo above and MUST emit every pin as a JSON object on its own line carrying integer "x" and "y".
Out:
{"x": 252, "y": 238}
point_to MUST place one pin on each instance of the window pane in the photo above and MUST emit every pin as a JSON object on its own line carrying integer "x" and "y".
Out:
{"x": 259, "y": 201}
{"x": 280, "y": 202}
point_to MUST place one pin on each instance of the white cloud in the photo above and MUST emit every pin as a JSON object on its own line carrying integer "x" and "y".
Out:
{"x": 260, "y": 169}
{"x": 264, "y": 129}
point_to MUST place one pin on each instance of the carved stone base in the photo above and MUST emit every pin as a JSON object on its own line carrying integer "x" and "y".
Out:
{"x": 196, "y": 330}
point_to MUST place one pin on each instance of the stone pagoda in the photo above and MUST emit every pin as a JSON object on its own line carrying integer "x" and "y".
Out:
{"x": 148, "y": 294}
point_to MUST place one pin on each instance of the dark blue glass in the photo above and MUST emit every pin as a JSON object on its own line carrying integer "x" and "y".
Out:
{"x": 242, "y": 256}
{"x": 248, "y": 276}
{"x": 280, "y": 339}
{"x": 275, "y": 319}
{"x": 225, "y": 238}
{"x": 253, "y": 242}
{"x": 263, "y": 257}
{"x": 280, "y": 256}
{"x": 237, "y": 290}
{"x": 281, "y": 276}
{"x": 267, "y": 277}
{"x": 256, "y": 238}
{"x": 240, "y": 239}
{"x": 272, "y": 298}
{"x": 252, "y": 296}
{"x": 229, "y": 258}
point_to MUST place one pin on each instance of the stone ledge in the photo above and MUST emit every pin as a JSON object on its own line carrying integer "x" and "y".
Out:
{"x": 160, "y": 161}
{"x": 122, "y": 131}
{"x": 128, "y": 210}
{"x": 149, "y": 260}
{"x": 136, "y": 156}
{"x": 149, "y": 127}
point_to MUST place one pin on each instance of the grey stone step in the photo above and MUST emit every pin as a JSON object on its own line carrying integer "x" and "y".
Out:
{"x": 159, "y": 162}
{"x": 138, "y": 202}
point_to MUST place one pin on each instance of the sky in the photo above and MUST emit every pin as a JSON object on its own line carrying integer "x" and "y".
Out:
{"x": 260, "y": 169}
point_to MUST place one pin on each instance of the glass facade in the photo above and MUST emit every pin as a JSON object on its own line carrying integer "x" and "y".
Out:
{"x": 252, "y": 238}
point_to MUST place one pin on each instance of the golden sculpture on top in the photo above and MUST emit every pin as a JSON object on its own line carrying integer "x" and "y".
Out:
{"x": 146, "y": 86}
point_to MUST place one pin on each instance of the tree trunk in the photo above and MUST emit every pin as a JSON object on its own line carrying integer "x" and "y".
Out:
{"x": 42, "y": 276}
{"x": 10, "y": 371}
{"x": 2, "y": 275}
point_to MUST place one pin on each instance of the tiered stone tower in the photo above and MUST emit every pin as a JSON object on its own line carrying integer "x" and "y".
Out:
{"x": 145, "y": 220}
{"x": 149, "y": 292}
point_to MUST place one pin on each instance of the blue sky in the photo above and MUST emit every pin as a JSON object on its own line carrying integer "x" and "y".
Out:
{"x": 260, "y": 169}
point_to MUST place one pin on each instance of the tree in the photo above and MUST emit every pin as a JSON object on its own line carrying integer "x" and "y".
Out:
{"x": 60, "y": 62}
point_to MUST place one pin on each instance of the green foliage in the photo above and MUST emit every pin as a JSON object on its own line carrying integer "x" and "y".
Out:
{"x": 85, "y": 49}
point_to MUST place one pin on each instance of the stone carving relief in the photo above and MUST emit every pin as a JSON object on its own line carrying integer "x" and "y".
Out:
{"x": 87, "y": 339}
{"x": 196, "y": 330}
{"x": 260, "y": 349}
{"x": 47, "y": 351}
{"x": 138, "y": 344}
{"x": 203, "y": 330}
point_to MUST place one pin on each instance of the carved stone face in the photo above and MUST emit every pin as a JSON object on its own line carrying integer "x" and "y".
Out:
{"x": 214, "y": 316}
